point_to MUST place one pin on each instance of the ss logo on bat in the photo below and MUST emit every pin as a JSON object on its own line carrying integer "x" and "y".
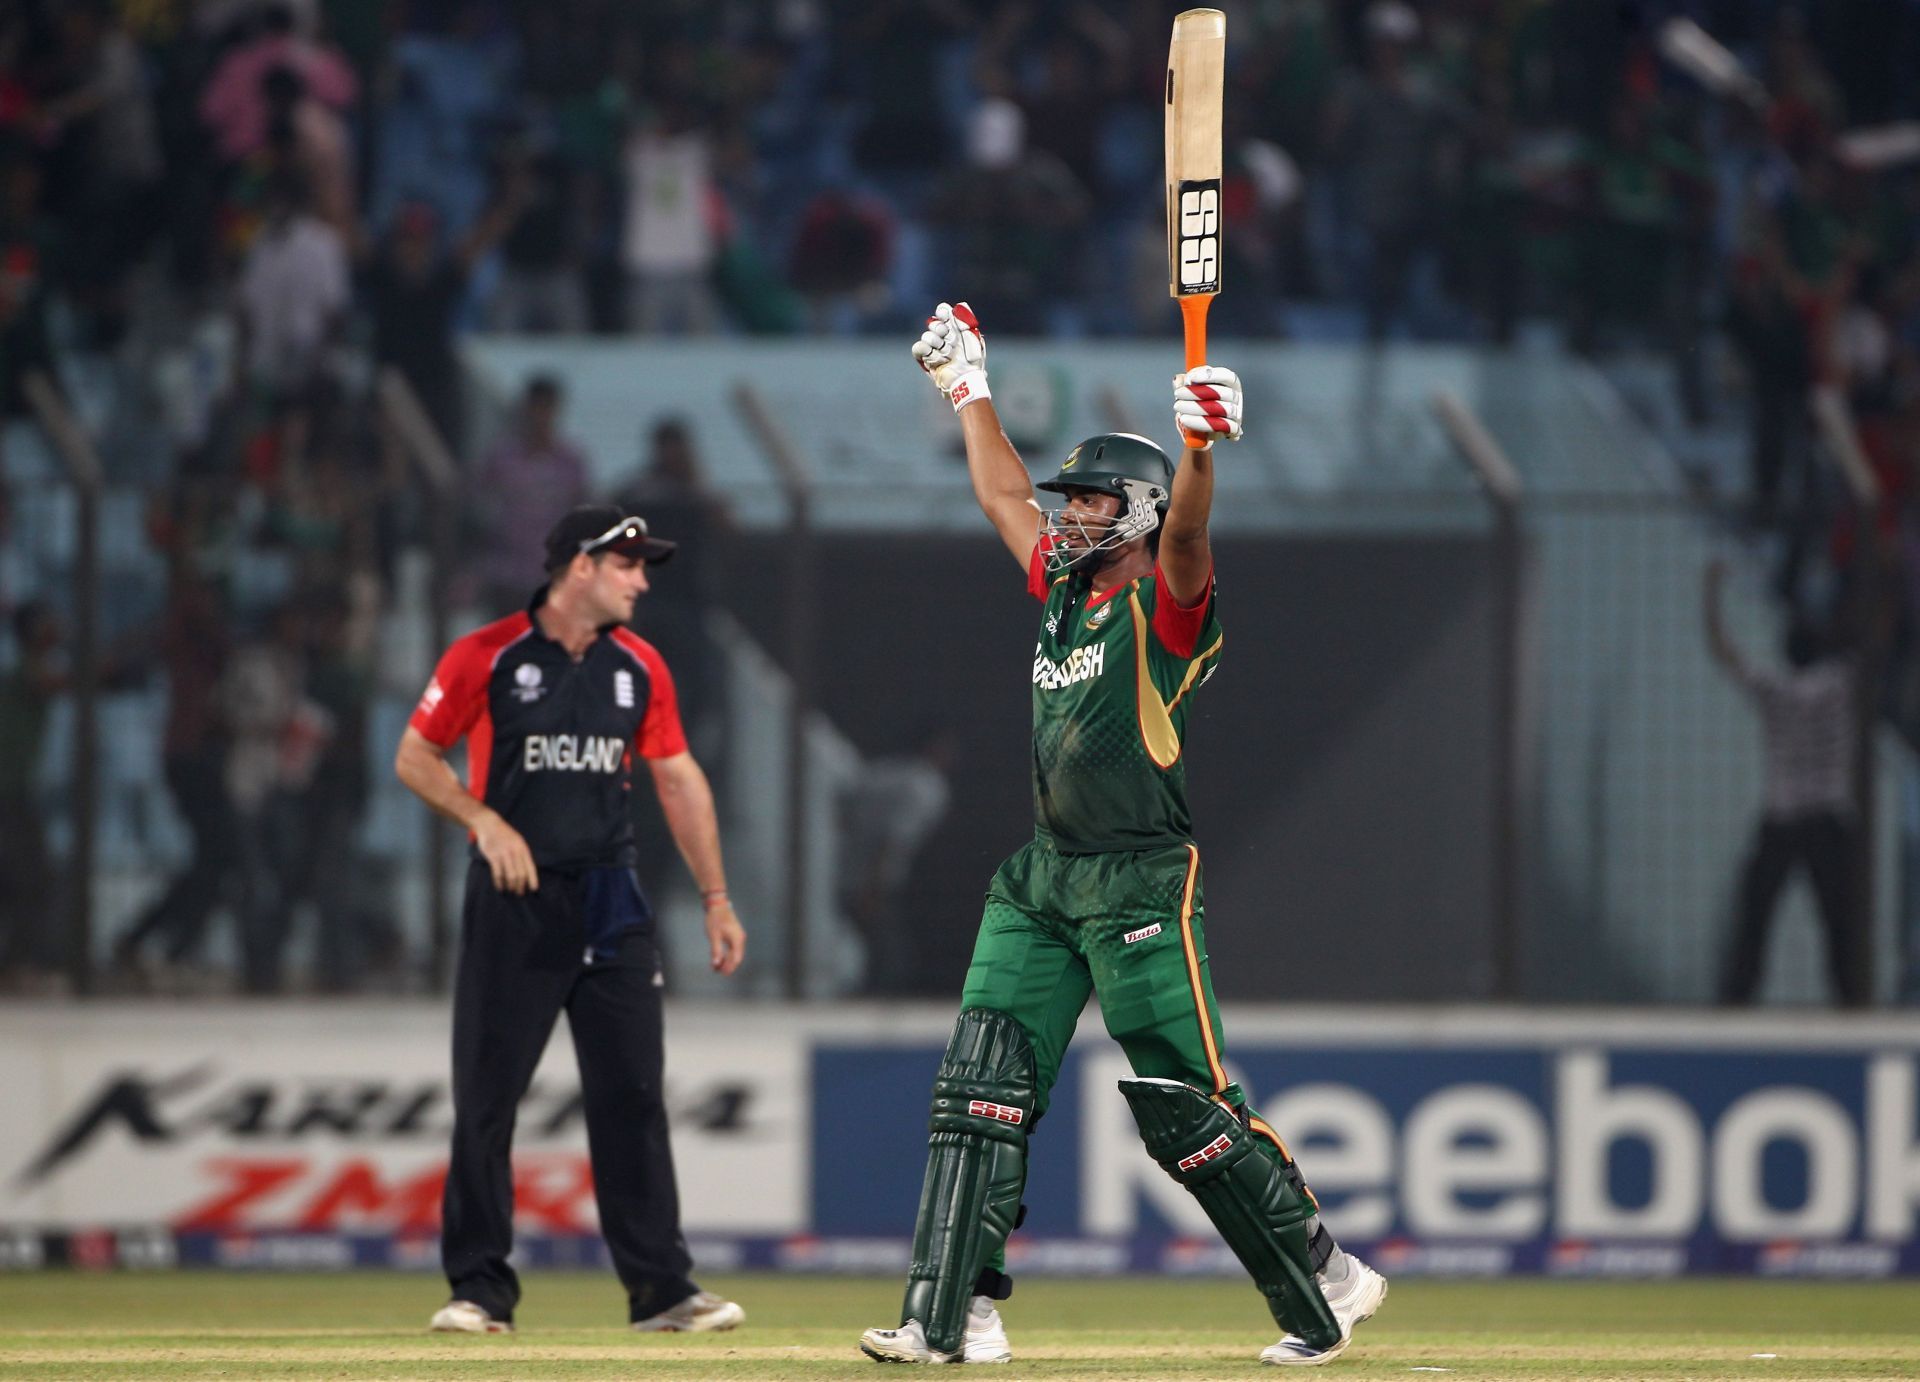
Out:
{"x": 1200, "y": 237}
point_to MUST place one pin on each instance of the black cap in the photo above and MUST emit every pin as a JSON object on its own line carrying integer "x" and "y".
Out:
{"x": 595, "y": 528}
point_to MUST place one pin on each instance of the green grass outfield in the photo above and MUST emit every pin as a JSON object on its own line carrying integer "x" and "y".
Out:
{"x": 170, "y": 1325}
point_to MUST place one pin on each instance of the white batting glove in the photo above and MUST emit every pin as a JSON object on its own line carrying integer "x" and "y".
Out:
{"x": 1206, "y": 402}
{"x": 953, "y": 351}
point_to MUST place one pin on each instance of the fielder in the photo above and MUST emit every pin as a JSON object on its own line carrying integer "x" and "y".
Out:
{"x": 1107, "y": 898}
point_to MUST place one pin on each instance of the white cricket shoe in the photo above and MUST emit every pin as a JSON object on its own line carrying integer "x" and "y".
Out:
{"x": 1355, "y": 1299}
{"x": 986, "y": 1334}
{"x": 700, "y": 1313}
{"x": 985, "y": 1342}
{"x": 464, "y": 1317}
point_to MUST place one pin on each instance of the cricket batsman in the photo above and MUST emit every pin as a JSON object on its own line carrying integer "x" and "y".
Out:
{"x": 1106, "y": 899}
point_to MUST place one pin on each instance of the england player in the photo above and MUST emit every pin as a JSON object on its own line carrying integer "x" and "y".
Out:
{"x": 1106, "y": 900}
{"x": 557, "y": 703}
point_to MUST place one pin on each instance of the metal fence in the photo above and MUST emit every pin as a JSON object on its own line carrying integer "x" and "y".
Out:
{"x": 1587, "y": 777}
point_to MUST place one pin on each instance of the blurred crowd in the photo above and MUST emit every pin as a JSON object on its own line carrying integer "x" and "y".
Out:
{"x": 244, "y": 212}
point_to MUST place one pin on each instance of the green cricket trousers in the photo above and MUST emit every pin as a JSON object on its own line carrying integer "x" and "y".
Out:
{"x": 1125, "y": 926}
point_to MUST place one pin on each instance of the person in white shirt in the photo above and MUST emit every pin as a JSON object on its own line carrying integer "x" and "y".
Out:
{"x": 293, "y": 292}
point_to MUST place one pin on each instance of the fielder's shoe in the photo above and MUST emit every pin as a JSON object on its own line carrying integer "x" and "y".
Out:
{"x": 700, "y": 1313}
{"x": 464, "y": 1317}
{"x": 1354, "y": 1299}
{"x": 986, "y": 1340}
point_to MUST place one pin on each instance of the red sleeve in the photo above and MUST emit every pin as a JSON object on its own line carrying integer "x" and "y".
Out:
{"x": 1037, "y": 582}
{"x": 455, "y": 697}
{"x": 1178, "y": 626}
{"x": 660, "y": 734}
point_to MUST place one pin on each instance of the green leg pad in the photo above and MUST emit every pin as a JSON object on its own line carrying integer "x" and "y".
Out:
{"x": 1250, "y": 1200}
{"x": 983, "y": 1102}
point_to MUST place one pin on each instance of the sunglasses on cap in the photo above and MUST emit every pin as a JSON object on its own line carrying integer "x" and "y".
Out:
{"x": 632, "y": 528}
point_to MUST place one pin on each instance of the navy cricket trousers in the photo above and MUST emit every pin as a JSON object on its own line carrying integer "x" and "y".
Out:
{"x": 522, "y": 961}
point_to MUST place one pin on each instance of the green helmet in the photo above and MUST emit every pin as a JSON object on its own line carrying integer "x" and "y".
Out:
{"x": 1127, "y": 465}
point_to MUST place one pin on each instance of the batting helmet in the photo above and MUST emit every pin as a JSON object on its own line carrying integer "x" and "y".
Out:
{"x": 1120, "y": 463}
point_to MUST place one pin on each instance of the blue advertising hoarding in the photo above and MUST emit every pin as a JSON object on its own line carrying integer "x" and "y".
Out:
{"x": 1559, "y": 1156}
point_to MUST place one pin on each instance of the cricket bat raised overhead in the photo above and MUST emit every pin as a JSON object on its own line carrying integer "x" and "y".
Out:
{"x": 1196, "y": 75}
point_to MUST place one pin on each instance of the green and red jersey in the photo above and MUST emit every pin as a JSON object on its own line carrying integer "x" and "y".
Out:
{"x": 1113, "y": 679}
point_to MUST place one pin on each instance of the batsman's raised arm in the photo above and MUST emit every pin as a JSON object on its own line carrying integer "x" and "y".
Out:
{"x": 954, "y": 354}
{"x": 1206, "y": 402}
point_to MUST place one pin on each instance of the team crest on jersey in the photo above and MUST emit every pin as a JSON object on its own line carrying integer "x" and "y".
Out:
{"x": 623, "y": 689}
{"x": 526, "y": 684}
{"x": 1100, "y": 615}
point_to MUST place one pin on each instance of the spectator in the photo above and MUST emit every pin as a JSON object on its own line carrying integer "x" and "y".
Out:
{"x": 903, "y": 131}
{"x": 441, "y": 99}
{"x": 304, "y": 136}
{"x": 27, "y": 246}
{"x": 669, "y": 490}
{"x": 541, "y": 286}
{"x": 1010, "y": 219}
{"x": 353, "y": 934}
{"x": 1385, "y": 125}
{"x": 31, "y": 932}
{"x": 841, "y": 254}
{"x": 1770, "y": 338}
{"x": 104, "y": 160}
{"x": 886, "y": 813}
{"x": 292, "y": 294}
{"x": 194, "y": 642}
{"x": 530, "y": 471}
{"x": 279, "y": 737}
{"x": 669, "y": 240}
{"x": 1808, "y": 724}
{"x": 1640, "y": 186}
{"x": 414, "y": 293}
{"x": 237, "y": 104}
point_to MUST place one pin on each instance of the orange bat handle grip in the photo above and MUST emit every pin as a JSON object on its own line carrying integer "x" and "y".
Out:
{"x": 1193, "y": 317}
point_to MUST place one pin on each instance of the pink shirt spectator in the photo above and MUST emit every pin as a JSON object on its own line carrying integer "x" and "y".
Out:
{"x": 234, "y": 108}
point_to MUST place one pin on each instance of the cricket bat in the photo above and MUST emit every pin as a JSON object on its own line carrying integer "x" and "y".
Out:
{"x": 1196, "y": 75}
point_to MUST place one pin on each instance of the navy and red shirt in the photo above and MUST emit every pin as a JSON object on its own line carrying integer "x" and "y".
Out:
{"x": 551, "y": 741}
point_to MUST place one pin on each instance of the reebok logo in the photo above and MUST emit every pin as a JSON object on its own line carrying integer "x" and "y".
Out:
{"x": 1141, "y": 934}
{"x": 1212, "y": 1151}
{"x": 1005, "y": 1113}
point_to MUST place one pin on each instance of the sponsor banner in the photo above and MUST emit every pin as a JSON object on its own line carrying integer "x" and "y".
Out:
{"x": 1632, "y": 1148}
{"x": 1516, "y": 1143}
{"x": 314, "y": 1126}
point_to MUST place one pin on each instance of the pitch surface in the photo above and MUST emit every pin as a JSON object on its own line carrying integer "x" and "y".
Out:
{"x": 174, "y": 1325}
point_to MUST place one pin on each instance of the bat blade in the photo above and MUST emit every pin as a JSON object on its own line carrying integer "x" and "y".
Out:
{"x": 1196, "y": 77}
{"x": 1196, "y": 83}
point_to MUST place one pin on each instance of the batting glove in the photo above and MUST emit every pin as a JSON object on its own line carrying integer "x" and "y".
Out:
{"x": 953, "y": 351}
{"x": 1206, "y": 402}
